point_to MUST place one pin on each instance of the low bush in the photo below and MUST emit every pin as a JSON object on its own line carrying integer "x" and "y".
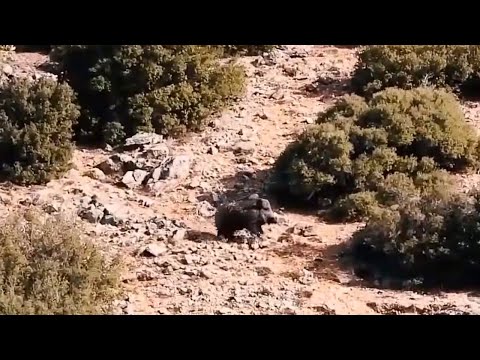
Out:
{"x": 455, "y": 67}
{"x": 36, "y": 119}
{"x": 169, "y": 89}
{"x": 362, "y": 154}
{"x": 428, "y": 242}
{"x": 46, "y": 268}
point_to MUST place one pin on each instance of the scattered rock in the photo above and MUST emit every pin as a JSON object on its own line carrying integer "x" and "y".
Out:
{"x": 187, "y": 260}
{"x": 145, "y": 202}
{"x": 85, "y": 200}
{"x": 298, "y": 53}
{"x": 177, "y": 167}
{"x": 5, "y": 199}
{"x": 254, "y": 245}
{"x": 134, "y": 178}
{"x": 270, "y": 58}
{"x": 166, "y": 264}
{"x": 96, "y": 174}
{"x": 126, "y": 162}
{"x": 164, "y": 229}
{"x": 51, "y": 208}
{"x": 153, "y": 250}
{"x": 109, "y": 167}
{"x": 7, "y": 69}
{"x": 244, "y": 148}
{"x": 179, "y": 234}
{"x": 158, "y": 151}
{"x": 141, "y": 139}
{"x": 306, "y": 277}
{"x": 212, "y": 150}
{"x": 205, "y": 209}
{"x": 246, "y": 133}
{"x": 281, "y": 219}
{"x": 156, "y": 174}
{"x": 263, "y": 271}
{"x": 308, "y": 231}
{"x": 278, "y": 94}
{"x": 91, "y": 214}
{"x": 303, "y": 230}
{"x": 290, "y": 70}
{"x": 109, "y": 219}
{"x": 146, "y": 276}
{"x": 118, "y": 163}
{"x": 205, "y": 274}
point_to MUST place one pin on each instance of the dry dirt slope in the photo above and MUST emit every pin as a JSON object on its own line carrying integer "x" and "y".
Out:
{"x": 192, "y": 273}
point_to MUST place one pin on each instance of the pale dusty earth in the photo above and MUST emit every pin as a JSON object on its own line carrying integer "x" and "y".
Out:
{"x": 296, "y": 271}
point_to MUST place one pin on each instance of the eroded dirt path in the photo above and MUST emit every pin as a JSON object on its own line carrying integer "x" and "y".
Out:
{"x": 297, "y": 273}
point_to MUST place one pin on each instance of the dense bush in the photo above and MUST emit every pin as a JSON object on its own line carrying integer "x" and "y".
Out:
{"x": 362, "y": 154}
{"x": 249, "y": 50}
{"x": 36, "y": 119}
{"x": 407, "y": 66}
{"x": 47, "y": 268}
{"x": 426, "y": 242}
{"x": 169, "y": 89}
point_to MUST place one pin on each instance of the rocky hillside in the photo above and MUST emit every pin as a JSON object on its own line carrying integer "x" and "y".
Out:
{"x": 153, "y": 201}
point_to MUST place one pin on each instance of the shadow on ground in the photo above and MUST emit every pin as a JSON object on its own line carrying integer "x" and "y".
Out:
{"x": 322, "y": 261}
{"x": 200, "y": 236}
{"x": 326, "y": 88}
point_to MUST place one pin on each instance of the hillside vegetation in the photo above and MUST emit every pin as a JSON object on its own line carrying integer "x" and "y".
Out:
{"x": 362, "y": 154}
{"x": 370, "y": 151}
{"x": 455, "y": 67}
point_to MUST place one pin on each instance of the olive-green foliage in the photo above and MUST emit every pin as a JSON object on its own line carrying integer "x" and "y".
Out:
{"x": 169, "y": 89}
{"x": 364, "y": 153}
{"x": 36, "y": 119}
{"x": 113, "y": 133}
{"x": 249, "y": 50}
{"x": 455, "y": 67}
{"x": 429, "y": 241}
{"x": 47, "y": 268}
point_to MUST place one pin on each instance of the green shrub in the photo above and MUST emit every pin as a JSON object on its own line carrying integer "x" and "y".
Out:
{"x": 36, "y": 119}
{"x": 46, "y": 268}
{"x": 362, "y": 154}
{"x": 114, "y": 133}
{"x": 429, "y": 241}
{"x": 169, "y": 89}
{"x": 249, "y": 50}
{"x": 455, "y": 67}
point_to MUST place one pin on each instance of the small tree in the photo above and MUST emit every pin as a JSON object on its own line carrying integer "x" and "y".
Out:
{"x": 36, "y": 119}
{"x": 455, "y": 67}
{"x": 47, "y": 268}
{"x": 431, "y": 241}
{"x": 359, "y": 148}
{"x": 169, "y": 89}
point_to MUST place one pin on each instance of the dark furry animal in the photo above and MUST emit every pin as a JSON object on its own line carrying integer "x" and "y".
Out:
{"x": 249, "y": 214}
